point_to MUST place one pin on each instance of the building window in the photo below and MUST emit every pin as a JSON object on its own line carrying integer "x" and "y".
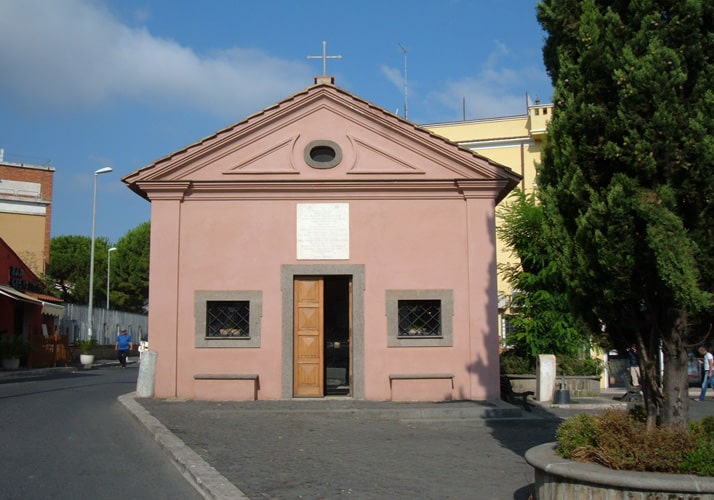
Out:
{"x": 323, "y": 154}
{"x": 228, "y": 318}
{"x": 419, "y": 318}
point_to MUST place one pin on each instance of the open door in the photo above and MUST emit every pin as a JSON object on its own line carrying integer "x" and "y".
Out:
{"x": 322, "y": 336}
{"x": 309, "y": 337}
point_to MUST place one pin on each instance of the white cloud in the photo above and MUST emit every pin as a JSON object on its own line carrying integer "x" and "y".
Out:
{"x": 394, "y": 76}
{"x": 497, "y": 89}
{"x": 73, "y": 53}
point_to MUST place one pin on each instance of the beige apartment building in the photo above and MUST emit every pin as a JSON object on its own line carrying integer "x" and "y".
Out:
{"x": 513, "y": 141}
{"x": 26, "y": 211}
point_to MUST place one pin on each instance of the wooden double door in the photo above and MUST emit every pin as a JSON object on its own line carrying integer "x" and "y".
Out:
{"x": 322, "y": 334}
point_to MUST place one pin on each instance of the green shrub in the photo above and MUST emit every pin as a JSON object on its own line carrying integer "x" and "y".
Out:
{"x": 571, "y": 366}
{"x": 700, "y": 460}
{"x": 87, "y": 346}
{"x": 13, "y": 346}
{"x": 575, "y": 433}
{"x": 515, "y": 363}
{"x": 620, "y": 440}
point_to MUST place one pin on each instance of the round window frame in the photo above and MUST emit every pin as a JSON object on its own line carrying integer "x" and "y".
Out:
{"x": 323, "y": 165}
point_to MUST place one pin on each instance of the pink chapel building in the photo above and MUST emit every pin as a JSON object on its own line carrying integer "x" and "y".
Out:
{"x": 324, "y": 246}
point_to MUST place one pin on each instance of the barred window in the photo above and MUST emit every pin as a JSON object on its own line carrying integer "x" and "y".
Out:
{"x": 419, "y": 318}
{"x": 227, "y": 318}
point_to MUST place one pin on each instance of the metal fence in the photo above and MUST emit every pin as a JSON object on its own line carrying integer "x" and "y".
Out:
{"x": 107, "y": 324}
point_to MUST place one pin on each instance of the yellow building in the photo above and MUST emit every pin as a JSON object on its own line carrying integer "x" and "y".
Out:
{"x": 513, "y": 141}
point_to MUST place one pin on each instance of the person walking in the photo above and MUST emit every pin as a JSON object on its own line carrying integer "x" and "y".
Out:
{"x": 708, "y": 363}
{"x": 122, "y": 346}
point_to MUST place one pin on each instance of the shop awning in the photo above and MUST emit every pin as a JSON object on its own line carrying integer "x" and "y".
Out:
{"x": 9, "y": 291}
{"x": 47, "y": 307}
{"x": 52, "y": 309}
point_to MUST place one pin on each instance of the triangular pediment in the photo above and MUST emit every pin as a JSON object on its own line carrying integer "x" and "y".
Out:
{"x": 289, "y": 141}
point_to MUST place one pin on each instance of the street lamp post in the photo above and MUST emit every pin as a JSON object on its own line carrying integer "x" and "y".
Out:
{"x": 109, "y": 266}
{"x": 104, "y": 170}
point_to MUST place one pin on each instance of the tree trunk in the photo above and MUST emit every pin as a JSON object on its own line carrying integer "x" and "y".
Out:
{"x": 675, "y": 411}
{"x": 651, "y": 393}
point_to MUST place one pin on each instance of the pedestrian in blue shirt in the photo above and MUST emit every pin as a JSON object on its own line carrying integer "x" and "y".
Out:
{"x": 123, "y": 346}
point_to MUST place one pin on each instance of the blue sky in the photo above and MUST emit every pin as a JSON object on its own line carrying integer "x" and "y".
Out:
{"x": 93, "y": 83}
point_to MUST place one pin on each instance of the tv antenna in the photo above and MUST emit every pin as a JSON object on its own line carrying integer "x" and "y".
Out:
{"x": 406, "y": 85}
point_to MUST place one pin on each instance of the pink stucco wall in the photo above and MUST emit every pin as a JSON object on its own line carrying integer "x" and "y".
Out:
{"x": 421, "y": 217}
{"x": 405, "y": 244}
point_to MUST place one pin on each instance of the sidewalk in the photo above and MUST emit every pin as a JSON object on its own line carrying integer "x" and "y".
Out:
{"x": 24, "y": 372}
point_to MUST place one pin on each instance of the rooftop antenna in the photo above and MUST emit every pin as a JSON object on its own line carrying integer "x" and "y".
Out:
{"x": 324, "y": 58}
{"x": 404, "y": 49}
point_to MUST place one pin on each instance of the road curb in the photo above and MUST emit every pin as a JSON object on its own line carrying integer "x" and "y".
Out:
{"x": 207, "y": 480}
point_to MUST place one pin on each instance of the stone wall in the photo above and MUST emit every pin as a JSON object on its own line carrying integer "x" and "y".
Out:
{"x": 556, "y": 478}
{"x": 579, "y": 387}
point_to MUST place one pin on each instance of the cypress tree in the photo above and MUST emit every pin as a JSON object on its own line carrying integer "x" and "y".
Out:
{"x": 627, "y": 180}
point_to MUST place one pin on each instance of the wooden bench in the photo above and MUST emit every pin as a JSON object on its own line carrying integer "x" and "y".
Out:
{"x": 509, "y": 396}
{"x": 251, "y": 377}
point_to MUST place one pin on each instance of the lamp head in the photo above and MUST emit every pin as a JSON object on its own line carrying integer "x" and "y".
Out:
{"x": 104, "y": 170}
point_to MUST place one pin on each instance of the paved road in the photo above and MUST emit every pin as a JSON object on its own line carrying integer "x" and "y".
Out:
{"x": 67, "y": 437}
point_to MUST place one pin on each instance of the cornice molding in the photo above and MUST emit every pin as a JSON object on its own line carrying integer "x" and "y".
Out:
{"x": 165, "y": 190}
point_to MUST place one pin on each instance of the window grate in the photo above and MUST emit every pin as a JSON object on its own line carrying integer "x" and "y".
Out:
{"x": 419, "y": 318}
{"x": 226, "y": 319}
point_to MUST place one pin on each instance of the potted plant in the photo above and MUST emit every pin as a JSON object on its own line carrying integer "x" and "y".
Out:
{"x": 86, "y": 351}
{"x": 12, "y": 349}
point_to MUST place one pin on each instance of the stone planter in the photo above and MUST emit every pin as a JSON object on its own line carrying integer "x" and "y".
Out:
{"x": 10, "y": 363}
{"x": 86, "y": 359}
{"x": 557, "y": 477}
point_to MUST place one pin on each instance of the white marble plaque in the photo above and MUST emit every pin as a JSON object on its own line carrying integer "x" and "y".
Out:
{"x": 323, "y": 231}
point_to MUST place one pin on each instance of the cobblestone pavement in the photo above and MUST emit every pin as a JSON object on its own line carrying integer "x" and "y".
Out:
{"x": 333, "y": 448}
{"x": 293, "y": 450}
{"x": 371, "y": 450}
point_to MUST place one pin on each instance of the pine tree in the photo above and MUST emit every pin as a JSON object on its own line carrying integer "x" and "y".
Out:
{"x": 627, "y": 181}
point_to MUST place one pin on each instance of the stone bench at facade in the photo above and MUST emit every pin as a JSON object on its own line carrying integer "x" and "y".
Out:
{"x": 231, "y": 386}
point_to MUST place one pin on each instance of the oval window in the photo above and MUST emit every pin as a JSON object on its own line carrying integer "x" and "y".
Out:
{"x": 323, "y": 154}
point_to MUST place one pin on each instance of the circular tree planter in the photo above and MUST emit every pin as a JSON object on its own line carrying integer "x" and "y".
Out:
{"x": 557, "y": 477}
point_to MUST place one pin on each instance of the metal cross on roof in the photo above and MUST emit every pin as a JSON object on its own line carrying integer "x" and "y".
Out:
{"x": 324, "y": 57}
